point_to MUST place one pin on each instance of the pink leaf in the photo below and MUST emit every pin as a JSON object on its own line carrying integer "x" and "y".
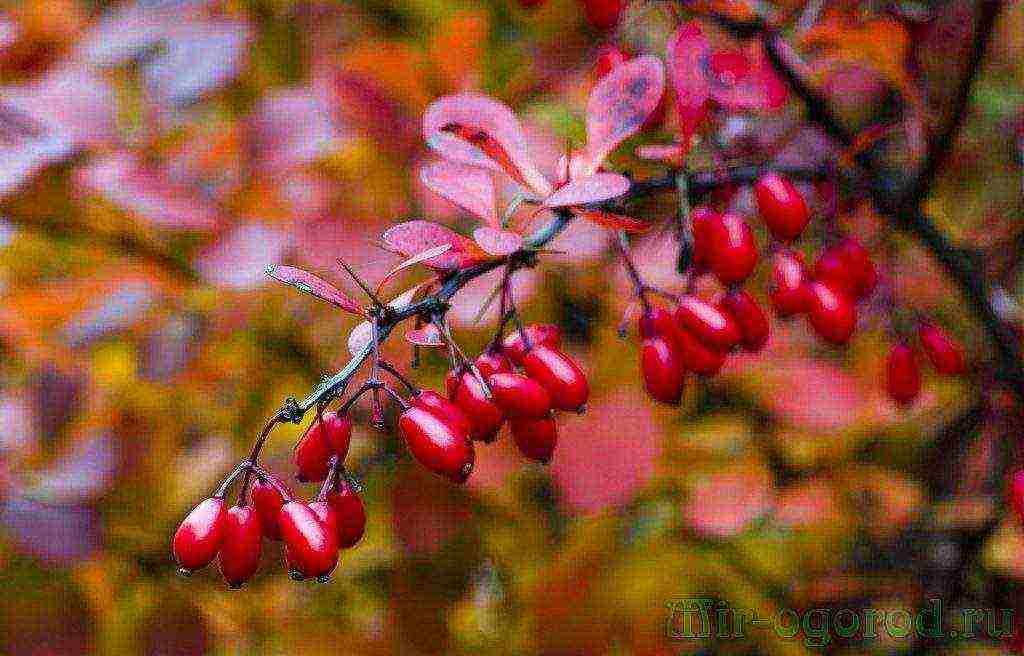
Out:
{"x": 672, "y": 154}
{"x": 414, "y": 237}
{"x": 292, "y": 127}
{"x": 687, "y": 51}
{"x": 591, "y": 189}
{"x": 472, "y": 128}
{"x": 197, "y": 58}
{"x": 428, "y": 254}
{"x": 427, "y": 336}
{"x": 314, "y": 286}
{"x": 470, "y": 188}
{"x": 498, "y": 243}
{"x": 238, "y": 257}
{"x": 726, "y": 502}
{"x": 618, "y": 107}
{"x": 739, "y": 82}
{"x": 611, "y": 220}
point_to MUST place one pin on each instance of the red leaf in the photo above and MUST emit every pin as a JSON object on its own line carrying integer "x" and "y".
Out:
{"x": 428, "y": 254}
{"x": 498, "y": 243}
{"x": 315, "y": 286}
{"x": 687, "y": 51}
{"x": 470, "y": 188}
{"x": 618, "y": 107}
{"x": 414, "y": 237}
{"x": 591, "y": 189}
{"x": 610, "y": 220}
{"x": 474, "y": 129}
{"x": 739, "y": 82}
{"x": 427, "y": 336}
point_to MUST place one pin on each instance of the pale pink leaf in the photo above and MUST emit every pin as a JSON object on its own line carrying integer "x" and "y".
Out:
{"x": 672, "y": 154}
{"x": 470, "y": 188}
{"x": 591, "y": 189}
{"x": 618, "y": 107}
{"x": 472, "y": 128}
{"x": 197, "y": 59}
{"x": 727, "y": 502}
{"x": 238, "y": 257}
{"x": 612, "y": 220}
{"x": 687, "y": 51}
{"x": 414, "y": 237}
{"x": 428, "y": 254}
{"x": 498, "y": 243}
{"x": 292, "y": 127}
{"x": 427, "y": 336}
{"x": 315, "y": 286}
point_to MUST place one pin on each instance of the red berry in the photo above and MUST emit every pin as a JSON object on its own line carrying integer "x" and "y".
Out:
{"x": 1017, "y": 494}
{"x": 198, "y": 538}
{"x": 437, "y": 444}
{"x": 604, "y": 14}
{"x": 656, "y": 322}
{"x": 543, "y": 334}
{"x": 312, "y": 547}
{"x": 704, "y": 223}
{"x": 833, "y": 315}
{"x": 336, "y": 430}
{"x": 710, "y": 325}
{"x": 519, "y": 396}
{"x": 490, "y": 363}
{"x": 734, "y": 251}
{"x": 268, "y": 502}
{"x": 351, "y": 515}
{"x": 903, "y": 381}
{"x": 436, "y": 404}
{"x": 328, "y": 516}
{"x": 698, "y": 357}
{"x": 484, "y": 415}
{"x": 559, "y": 375}
{"x": 662, "y": 370}
{"x": 608, "y": 60}
{"x": 313, "y": 453}
{"x": 945, "y": 354}
{"x": 790, "y": 293}
{"x": 749, "y": 317}
{"x": 847, "y": 266}
{"x": 782, "y": 206}
{"x": 241, "y": 545}
{"x": 535, "y": 438}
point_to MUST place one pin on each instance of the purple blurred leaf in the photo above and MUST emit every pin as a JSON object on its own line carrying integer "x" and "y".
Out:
{"x": 427, "y": 336}
{"x": 591, "y": 189}
{"x": 197, "y": 58}
{"x": 237, "y": 260}
{"x": 59, "y": 534}
{"x": 315, "y": 286}
{"x": 292, "y": 127}
{"x": 498, "y": 243}
{"x": 414, "y": 237}
{"x": 22, "y": 158}
{"x": 170, "y": 348}
{"x": 124, "y": 181}
{"x": 475, "y": 129}
{"x": 115, "y": 311}
{"x": 135, "y": 29}
{"x": 81, "y": 475}
{"x": 470, "y": 188}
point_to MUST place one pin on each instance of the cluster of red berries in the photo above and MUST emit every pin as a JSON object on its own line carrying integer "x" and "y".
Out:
{"x": 483, "y": 395}
{"x": 698, "y": 336}
{"x": 903, "y": 374}
{"x": 313, "y": 533}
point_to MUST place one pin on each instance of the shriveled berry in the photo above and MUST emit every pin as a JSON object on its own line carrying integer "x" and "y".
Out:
{"x": 790, "y": 292}
{"x": 483, "y": 413}
{"x": 847, "y": 266}
{"x": 434, "y": 403}
{"x": 782, "y": 206}
{"x": 945, "y": 354}
{"x": 351, "y": 515}
{"x": 662, "y": 370}
{"x": 1016, "y": 494}
{"x": 535, "y": 438}
{"x": 559, "y": 375}
{"x": 268, "y": 501}
{"x": 833, "y": 315}
{"x": 312, "y": 547}
{"x": 313, "y": 453}
{"x": 698, "y": 357}
{"x": 734, "y": 251}
{"x": 241, "y": 545}
{"x": 903, "y": 376}
{"x": 489, "y": 363}
{"x": 541, "y": 334}
{"x": 519, "y": 396}
{"x": 749, "y": 317}
{"x": 198, "y": 538}
{"x": 437, "y": 444}
{"x": 604, "y": 14}
{"x": 709, "y": 324}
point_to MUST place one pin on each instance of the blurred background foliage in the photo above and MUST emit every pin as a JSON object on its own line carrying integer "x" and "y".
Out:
{"x": 157, "y": 154}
